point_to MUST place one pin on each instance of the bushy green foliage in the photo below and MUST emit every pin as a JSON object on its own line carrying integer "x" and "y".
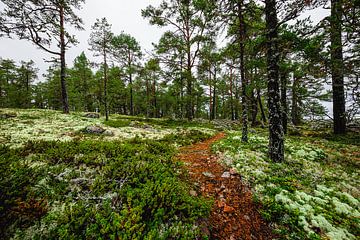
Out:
{"x": 312, "y": 194}
{"x": 98, "y": 190}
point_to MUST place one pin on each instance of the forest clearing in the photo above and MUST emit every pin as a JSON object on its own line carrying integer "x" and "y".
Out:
{"x": 180, "y": 119}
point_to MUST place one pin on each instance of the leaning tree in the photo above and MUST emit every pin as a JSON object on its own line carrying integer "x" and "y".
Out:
{"x": 44, "y": 23}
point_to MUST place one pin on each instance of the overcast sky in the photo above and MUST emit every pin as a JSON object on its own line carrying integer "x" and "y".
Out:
{"x": 124, "y": 15}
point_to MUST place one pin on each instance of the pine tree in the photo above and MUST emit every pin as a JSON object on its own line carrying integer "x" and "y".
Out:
{"x": 127, "y": 51}
{"x": 276, "y": 134}
{"x": 337, "y": 67}
{"x": 44, "y": 24}
{"x": 100, "y": 43}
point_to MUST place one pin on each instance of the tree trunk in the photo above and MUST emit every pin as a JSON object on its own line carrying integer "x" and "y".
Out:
{"x": 131, "y": 95}
{"x": 232, "y": 95}
{"x": 213, "y": 112}
{"x": 254, "y": 109}
{"x": 244, "y": 82}
{"x": 64, "y": 94}
{"x": 105, "y": 87}
{"x": 210, "y": 98}
{"x": 263, "y": 116}
{"x": 295, "y": 114}
{"x": 337, "y": 66}
{"x": 276, "y": 134}
{"x": 284, "y": 106}
{"x": 155, "y": 112}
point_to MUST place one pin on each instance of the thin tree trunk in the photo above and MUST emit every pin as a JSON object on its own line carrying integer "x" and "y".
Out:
{"x": 337, "y": 65}
{"x": 263, "y": 116}
{"x": 231, "y": 95}
{"x": 213, "y": 112}
{"x": 64, "y": 94}
{"x": 244, "y": 82}
{"x": 105, "y": 87}
{"x": 154, "y": 99}
{"x": 295, "y": 114}
{"x": 284, "y": 106}
{"x": 276, "y": 134}
{"x": 210, "y": 98}
{"x": 254, "y": 107}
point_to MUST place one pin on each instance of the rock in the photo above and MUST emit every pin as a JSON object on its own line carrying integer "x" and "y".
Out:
{"x": 228, "y": 209}
{"x": 233, "y": 171}
{"x": 221, "y": 204}
{"x": 108, "y": 133}
{"x": 7, "y": 115}
{"x": 94, "y": 130}
{"x": 225, "y": 175}
{"x": 91, "y": 115}
{"x": 208, "y": 174}
{"x": 193, "y": 193}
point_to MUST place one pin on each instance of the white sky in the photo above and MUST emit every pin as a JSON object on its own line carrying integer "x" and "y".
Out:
{"x": 124, "y": 15}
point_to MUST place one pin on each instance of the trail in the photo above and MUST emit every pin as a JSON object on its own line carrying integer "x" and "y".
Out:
{"x": 234, "y": 215}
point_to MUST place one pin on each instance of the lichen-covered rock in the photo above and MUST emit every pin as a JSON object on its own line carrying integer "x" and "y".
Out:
{"x": 7, "y": 115}
{"x": 94, "y": 130}
{"x": 91, "y": 115}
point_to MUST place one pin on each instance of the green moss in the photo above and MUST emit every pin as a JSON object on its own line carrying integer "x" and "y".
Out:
{"x": 99, "y": 190}
{"x": 309, "y": 195}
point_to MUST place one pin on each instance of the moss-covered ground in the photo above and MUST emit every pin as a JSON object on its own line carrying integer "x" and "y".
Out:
{"x": 57, "y": 182}
{"x": 314, "y": 193}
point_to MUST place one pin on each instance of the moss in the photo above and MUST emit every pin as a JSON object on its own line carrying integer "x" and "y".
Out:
{"x": 309, "y": 194}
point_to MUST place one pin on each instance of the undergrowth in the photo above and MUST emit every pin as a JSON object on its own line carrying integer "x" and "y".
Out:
{"x": 98, "y": 190}
{"x": 313, "y": 194}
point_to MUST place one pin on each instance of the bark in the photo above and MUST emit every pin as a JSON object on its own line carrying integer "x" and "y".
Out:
{"x": 254, "y": 109}
{"x": 263, "y": 116}
{"x": 148, "y": 103}
{"x": 155, "y": 112}
{"x": 337, "y": 66}
{"x": 232, "y": 95}
{"x": 105, "y": 86}
{"x": 181, "y": 112}
{"x": 295, "y": 114}
{"x": 276, "y": 134}
{"x": 244, "y": 82}
{"x": 210, "y": 98}
{"x": 213, "y": 112}
{"x": 284, "y": 106}
{"x": 131, "y": 96}
{"x": 64, "y": 95}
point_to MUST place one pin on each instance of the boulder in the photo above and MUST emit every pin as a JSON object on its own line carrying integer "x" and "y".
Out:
{"x": 7, "y": 115}
{"x": 226, "y": 175}
{"x": 94, "y": 130}
{"x": 92, "y": 115}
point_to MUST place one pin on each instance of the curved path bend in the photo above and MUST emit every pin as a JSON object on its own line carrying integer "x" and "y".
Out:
{"x": 234, "y": 215}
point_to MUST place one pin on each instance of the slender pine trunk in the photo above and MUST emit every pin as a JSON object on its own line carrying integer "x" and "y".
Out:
{"x": 276, "y": 133}
{"x": 284, "y": 106}
{"x": 64, "y": 95}
{"x": 244, "y": 82}
{"x": 337, "y": 66}
{"x": 105, "y": 86}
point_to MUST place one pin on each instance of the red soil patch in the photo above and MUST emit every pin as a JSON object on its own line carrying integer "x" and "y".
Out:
{"x": 234, "y": 215}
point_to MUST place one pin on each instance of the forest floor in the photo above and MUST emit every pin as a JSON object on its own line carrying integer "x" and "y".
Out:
{"x": 234, "y": 215}
{"x": 75, "y": 177}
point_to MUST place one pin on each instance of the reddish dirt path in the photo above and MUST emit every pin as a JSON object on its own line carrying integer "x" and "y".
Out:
{"x": 234, "y": 216}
